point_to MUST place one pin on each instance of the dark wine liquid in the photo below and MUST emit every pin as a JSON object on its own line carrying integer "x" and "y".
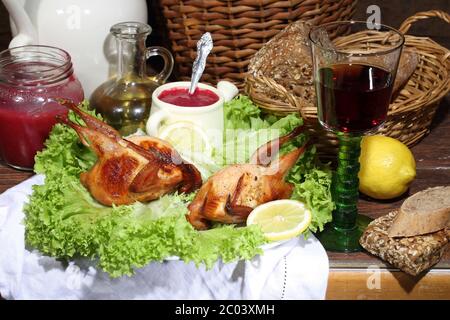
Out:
{"x": 353, "y": 98}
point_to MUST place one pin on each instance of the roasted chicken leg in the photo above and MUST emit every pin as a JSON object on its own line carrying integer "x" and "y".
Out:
{"x": 232, "y": 193}
{"x": 140, "y": 168}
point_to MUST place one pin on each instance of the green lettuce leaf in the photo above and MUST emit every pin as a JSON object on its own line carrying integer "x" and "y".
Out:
{"x": 246, "y": 129}
{"x": 242, "y": 113}
{"x": 312, "y": 185}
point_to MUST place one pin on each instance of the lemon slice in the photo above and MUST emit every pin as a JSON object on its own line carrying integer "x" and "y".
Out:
{"x": 186, "y": 138}
{"x": 281, "y": 219}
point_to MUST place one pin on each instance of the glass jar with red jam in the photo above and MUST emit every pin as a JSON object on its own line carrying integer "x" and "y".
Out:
{"x": 31, "y": 77}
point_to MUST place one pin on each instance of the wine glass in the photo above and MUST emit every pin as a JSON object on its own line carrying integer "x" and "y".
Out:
{"x": 354, "y": 75}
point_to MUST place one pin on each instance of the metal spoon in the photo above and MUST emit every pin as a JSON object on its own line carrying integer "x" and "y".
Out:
{"x": 204, "y": 46}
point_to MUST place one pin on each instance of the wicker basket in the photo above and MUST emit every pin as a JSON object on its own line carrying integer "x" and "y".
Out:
{"x": 239, "y": 29}
{"x": 409, "y": 116}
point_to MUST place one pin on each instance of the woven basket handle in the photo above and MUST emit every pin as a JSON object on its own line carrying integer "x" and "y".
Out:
{"x": 404, "y": 27}
{"x": 421, "y": 16}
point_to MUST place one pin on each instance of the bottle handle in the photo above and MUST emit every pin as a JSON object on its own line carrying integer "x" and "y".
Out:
{"x": 154, "y": 122}
{"x": 168, "y": 62}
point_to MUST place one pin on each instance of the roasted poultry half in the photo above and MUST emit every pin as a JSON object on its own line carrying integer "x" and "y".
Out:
{"x": 232, "y": 193}
{"x": 140, "y": 168}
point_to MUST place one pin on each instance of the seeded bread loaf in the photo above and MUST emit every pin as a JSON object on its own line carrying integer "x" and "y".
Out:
{"x": 409, "y": 254}
{"x": 286, "y": 59}
{"x": 425, "y": 212}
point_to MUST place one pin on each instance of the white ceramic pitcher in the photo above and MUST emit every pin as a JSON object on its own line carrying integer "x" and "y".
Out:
{"x": 81, "y": 27}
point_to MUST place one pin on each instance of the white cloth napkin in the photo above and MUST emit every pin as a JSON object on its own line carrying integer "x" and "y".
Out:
{"x": 296, "y": 269}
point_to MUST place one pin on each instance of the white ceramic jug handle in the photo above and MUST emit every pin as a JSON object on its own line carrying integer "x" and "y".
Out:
{"x": 154, "y": 122}
{"x": 227, "y": 89}
{"x": 26, "y": 32}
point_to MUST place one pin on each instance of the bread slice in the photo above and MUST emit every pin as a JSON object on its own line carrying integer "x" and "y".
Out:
{"x": 406, "y": 67}
{"x": 425, "y": 212}
{"x": 412, "y": 255}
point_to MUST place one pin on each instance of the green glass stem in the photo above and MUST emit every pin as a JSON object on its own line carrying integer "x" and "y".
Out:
{"x": 346, "y": 183}
{"x": 343, "y": 233}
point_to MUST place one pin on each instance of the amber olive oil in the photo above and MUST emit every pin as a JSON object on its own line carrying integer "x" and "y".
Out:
{"x": 124, "y": 104}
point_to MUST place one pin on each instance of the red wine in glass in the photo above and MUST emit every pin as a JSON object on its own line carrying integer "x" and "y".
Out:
{"x": 353, "y": 98}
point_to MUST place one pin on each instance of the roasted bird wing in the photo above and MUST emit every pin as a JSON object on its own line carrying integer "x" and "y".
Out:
{"x": 232, "y": 193}
{"x": 140, "y": 168}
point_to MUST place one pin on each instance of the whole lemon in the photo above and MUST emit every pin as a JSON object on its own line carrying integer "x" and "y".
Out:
{"x": 387, "y": 167}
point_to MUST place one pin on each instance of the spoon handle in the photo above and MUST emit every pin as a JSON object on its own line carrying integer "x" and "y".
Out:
{"x": 204, "y": 46}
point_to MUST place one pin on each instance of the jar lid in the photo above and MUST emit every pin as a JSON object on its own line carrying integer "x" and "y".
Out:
{"x": 34, "y": 65}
